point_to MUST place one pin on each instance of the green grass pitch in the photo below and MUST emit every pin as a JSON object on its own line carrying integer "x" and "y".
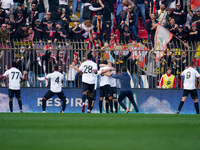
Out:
{"x": 99, "y": 131}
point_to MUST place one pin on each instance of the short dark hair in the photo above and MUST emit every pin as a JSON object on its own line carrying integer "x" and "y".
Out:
{"x": 192, "y": 63}
{"x": 168, "y": 68}
{"x": 89, "y": 1}
{"x": 55, "y": 67}
{"x": 89, "y": 56}
{"x": 124, "y": 69}
{"x": 14, "y": 64}
{"x": 105, "y": 62}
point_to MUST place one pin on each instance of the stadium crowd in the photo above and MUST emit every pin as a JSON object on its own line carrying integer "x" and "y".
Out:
{"x": 100, "y": 22}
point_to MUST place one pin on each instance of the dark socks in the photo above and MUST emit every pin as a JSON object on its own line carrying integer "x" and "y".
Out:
{"x": 196, "y": 105}
{"x": 180, "y": 106}
{"x": 84, "y": 98}
{"x": 116, "y": 107}
{"x": 43, "y": 104}
{"x": 89, "y": 103}
{"x": 111, "y": 105}
{"x": 20, "y": 104}
{"x": 11, "y": 106}
{"x": 100, "y": 106}
{"x": 63, "y": 105}
{"x": 107, "y": 106}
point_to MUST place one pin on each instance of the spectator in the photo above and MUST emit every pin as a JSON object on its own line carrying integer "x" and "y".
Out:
{"x": 195, "y": 17}
{"x": 46, "y": 19}
{"x": 65, "y": 19}
{"x": 49, "y": 33}
{"x": 81, "y": 10}
{"x": 56, "y": 15}
{"x": 88, "y": 9}
{"x": 19, "y": 20}
{"x": 194, "y": 36}
{"x": 180, "y": 33}
{"x": 53, "y": 4}
{"x": 48, "y": 60}
{"x": 2, "y": 16}
{"x": 8, "y": 6}
{"x": 61, "y": 33}
{"x": 162, "y": 15}
{"x": 141, "y": 6}
{"x": 125, "y": 34}
{"x": 38, "y": 31}
{"x": 178, "y": 15}
{"x": 64, "y": 4}
{"x": 74, "y": 7}
{"x": 131, "y": 16}
{"x": 20, "y": 32}
{"x": 76, "y": 32}
{"x": 152, "y": 65}
{"x": 15, "y": 12}
{"x": 151, "y": 27}
{"x": 41, "y": 9}
{"x": 32, "y": 15}
{"x": 118, "y": 10}
{"x": 88, "y": 27}
{"x": 135, "y": 72}
{"x": 99, "y": 25}
{"x": 168, "y": 81}
{"x": 4, "y": 34}
{"x": 123, "y": 13}
{"x": 120, "y": 59}
{"x": 11, "y": 29}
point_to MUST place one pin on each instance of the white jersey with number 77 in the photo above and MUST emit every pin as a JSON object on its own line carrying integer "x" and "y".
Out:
{"x": 190, "y": 75}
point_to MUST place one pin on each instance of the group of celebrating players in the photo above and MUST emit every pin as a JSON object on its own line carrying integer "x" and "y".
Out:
{"x": 108, "y": 89}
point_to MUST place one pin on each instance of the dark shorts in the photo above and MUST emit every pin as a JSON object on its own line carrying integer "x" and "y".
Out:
{"x": 114, "y": 92}
{"x": 17, "y": 93}
{"x": 88, "y": 87}
{"x": 50, "y": 94}
{"x": 94, "y": 95}
{"x": 105, "y": 91}
{"x": 193, "y": 93}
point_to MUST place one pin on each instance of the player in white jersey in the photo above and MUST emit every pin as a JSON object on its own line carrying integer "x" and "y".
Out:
{"x": 190, "y": 74}
{"x": 88, "y": 70}
{"x": 14, "y": 76}
{"x": 105, "y": 89}
{"x": 55, "y": 88}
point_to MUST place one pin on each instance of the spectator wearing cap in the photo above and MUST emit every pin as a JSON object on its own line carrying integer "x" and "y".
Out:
{"x": 7, "y": 19}
{"x": 14, "y": 15}
{"x": 8, "y": 6}
{"x": 61, "y": 33}
{"x": 88, "y": 10}
{"x": 97, "y": 44}
{"x": 195, "y": 17}
{"x": 4, "y": 33}
{"x": 46, "y": 19}
{"x": 16, "y": 2}
{"x": 194, "y": 36}
{"x": 20, "y": 32}
{"x": 56, "y": 15}
{"x": 113, "y": 40}
{"x": 32, "y": 15}
{"x": 76, "y": 32}
{"x": 49, "y": 33}
{"x": 41, "y": 9}
{"x": 178, "y": 15}
{"x": 180, "y": 33}
{"x": 19, "y": 20}
{"x": 2, "y": 16}
{"x": 10, "y": 28}
{"x": 151, "y": 27}
{"x": 125, "y": 34}
{"x": 38, "y": 31}
{"x": 99, "y": 25}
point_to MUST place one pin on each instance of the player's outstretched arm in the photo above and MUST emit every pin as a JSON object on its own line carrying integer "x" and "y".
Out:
{"x": 41, "y": 78}
{"x": 74, "y": 67}
{"x": 109, "y": 69}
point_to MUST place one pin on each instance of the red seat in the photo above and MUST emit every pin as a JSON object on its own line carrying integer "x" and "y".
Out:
{"x": 143, "y": 34}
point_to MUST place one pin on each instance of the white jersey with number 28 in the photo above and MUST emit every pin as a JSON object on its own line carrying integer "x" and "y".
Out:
{"x": 190, "y": 75}
{"x": 87, "y": 68}
{"x": 56, "y": 81}
{"x": 14, "y": 78}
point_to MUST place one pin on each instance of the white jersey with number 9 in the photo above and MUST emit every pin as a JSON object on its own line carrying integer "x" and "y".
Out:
{"x": 190, "y": 75}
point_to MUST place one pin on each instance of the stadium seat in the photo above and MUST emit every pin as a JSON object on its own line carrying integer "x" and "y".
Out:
{"x": 143, "y": 34}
